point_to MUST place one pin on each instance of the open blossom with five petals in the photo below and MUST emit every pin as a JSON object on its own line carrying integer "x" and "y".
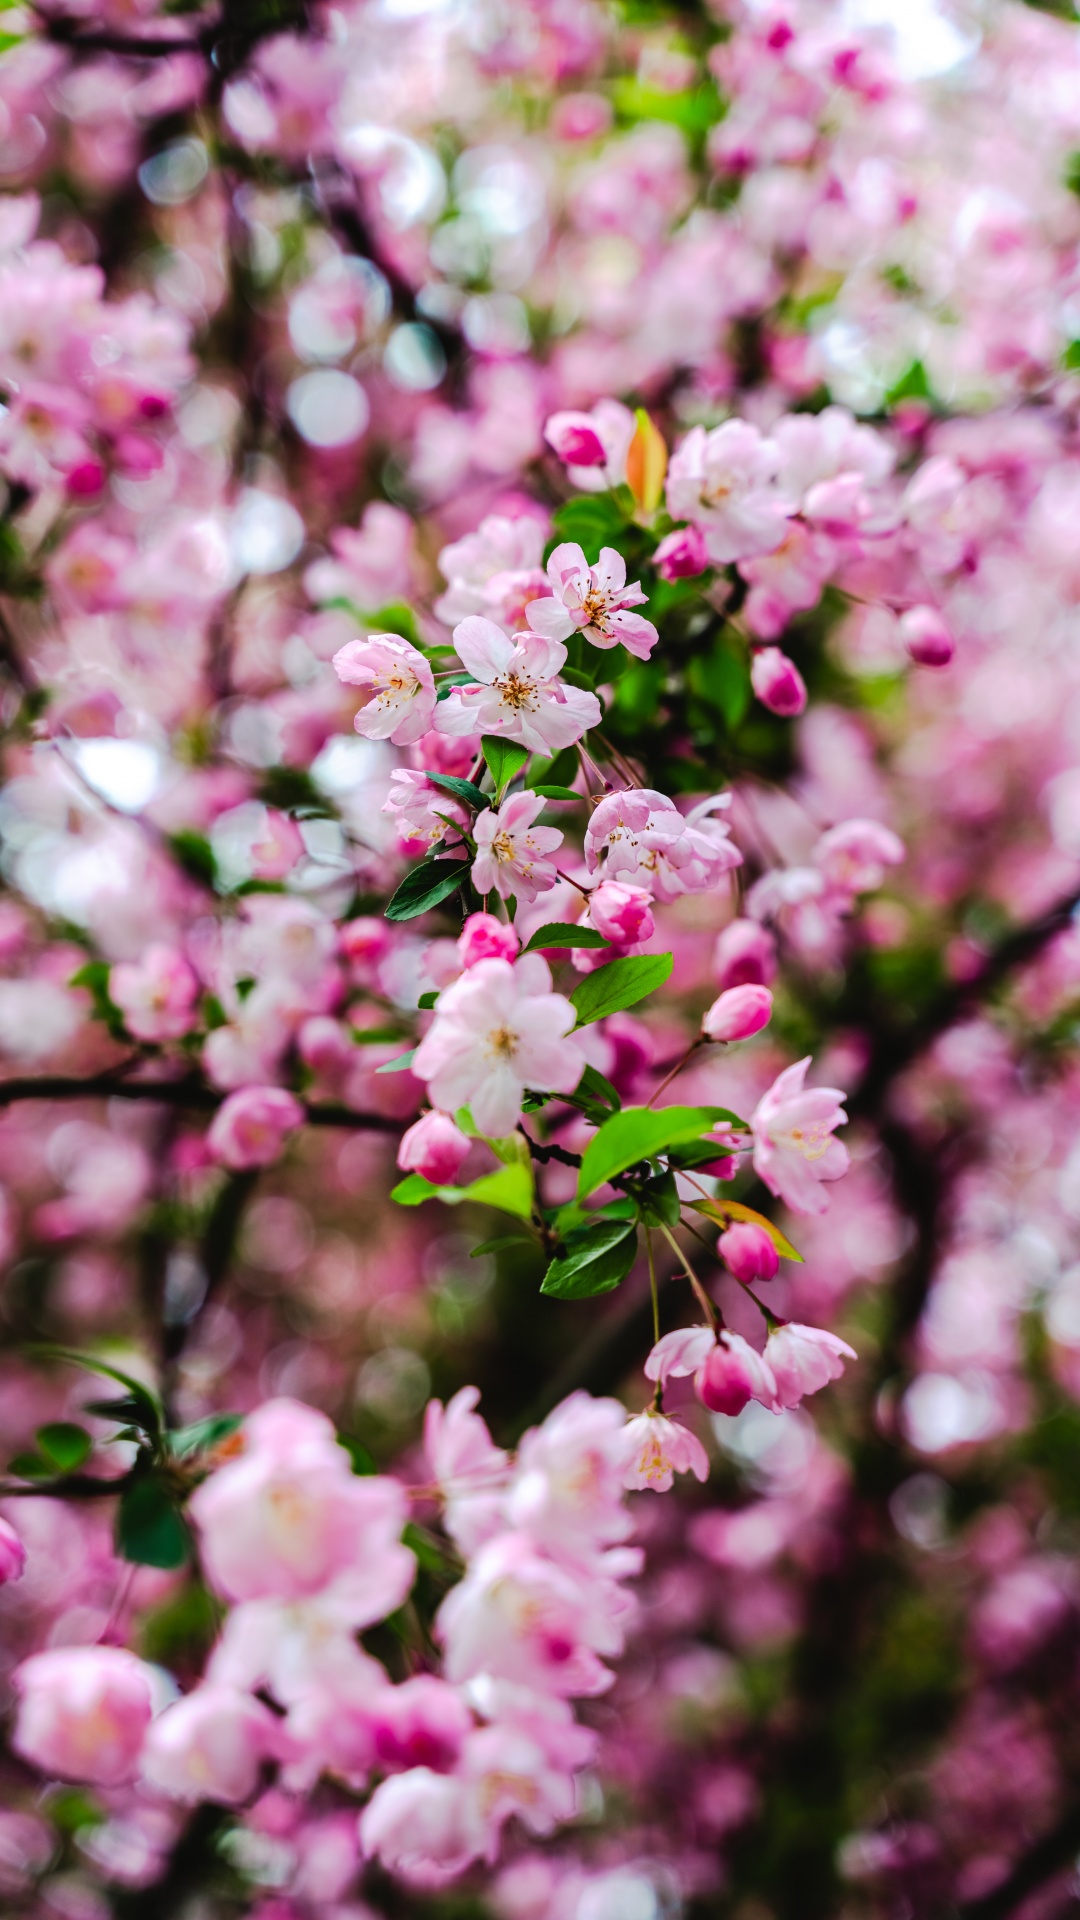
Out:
{"x": 658, "y": 1449}
{"x": 421, "y": 812}
{"x": 496, "y": 1031}
{"x": 519, "y": 694}
{"x": 641, "y": 833}
{"x": 804, "y": 1359}
{"x": 495, "y": 571}
{"x": 398, "y": 686}
{"x": 510, "y": 849}
{"x": 794, "y": 1150}
{"x": 593, "y": 601}
{"x": 725, "y": 482}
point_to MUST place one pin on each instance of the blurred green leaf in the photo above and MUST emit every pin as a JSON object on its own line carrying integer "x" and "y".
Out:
{"x": 64, "y": 1445}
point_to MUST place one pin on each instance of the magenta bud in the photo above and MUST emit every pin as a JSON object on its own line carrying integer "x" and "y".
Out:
{"x": 435, "y": 1147}
{"x": 745, "y": 955}
{"x": 12, "y": 1553}
{"x": 86, "y": 479}
{"x": 749, "y": 1252}
{"x": 575, "y": 440}
{"x": 732, "y": 1376}
{"x": 485, "y": 938}
{"x": 623, "y": 914}
{"x": 926, "y": 637}
{"x": 738, "y": 1013}
{"x": 777, "y": 682}
{"x": 681, "y": 554}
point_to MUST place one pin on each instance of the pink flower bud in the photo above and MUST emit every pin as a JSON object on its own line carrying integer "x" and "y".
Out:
{"x": 745, "y": 955}
{"x": 12, "y": 1553}
{"x": 733, "y": 1375}
{"x": 86, "y": 479}
{"x": 681, "y": 554}
{"x": 739, "y": 1012}
{"x": 485, "y": 938}
{"x": 622, "y": 914}
{"x": 433, "y": 1147}
{"x": 250, "y": 1128}
{"x": 574, "y": 439}
{"x": 926, "y": 636}
{"x": 777, "y": 682}
{"x": 365, "y": 940}
{"x": 83, "y": 1712}
{"x": 748, "y": 1251}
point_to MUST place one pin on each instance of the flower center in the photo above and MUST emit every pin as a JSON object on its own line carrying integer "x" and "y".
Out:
{"x": 811, "y": 1141}
{"x": 502, "y": 847}
{"x": 502, "y": 1043}
{"x": 515, "y": 692}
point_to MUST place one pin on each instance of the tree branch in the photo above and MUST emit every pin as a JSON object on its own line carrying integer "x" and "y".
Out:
{"x": 170, "y": 1093}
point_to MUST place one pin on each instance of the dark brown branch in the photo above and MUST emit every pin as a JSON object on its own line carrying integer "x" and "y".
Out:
{"x": 170, "y": 1093}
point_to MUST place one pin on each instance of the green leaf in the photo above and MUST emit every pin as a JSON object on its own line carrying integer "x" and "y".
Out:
{"x": 913, "y": 384}
{"x": 550, "y": 792}
{"x": 500, "y": 1241}
{"x": 638, "y": 1133}
{"x": 508, "y": 1188}
{"x": 594, "y": 1260}
{"x": 725, "y": 1211}
{"x": 29, "y": 1466}
{"x": 461, "y": 789}
{"x": 397, "y": 618}
{"x": 593, "y": 520}
{"x": 504, "y": 759}
{"x": 399, "y": 1063}
{"x": 562, "y": 768}
{"x": 622, "y": 984}
{"x": 427, "y": 1001}
{"x": 363, "y": 1460}
{"x": 193, "y": 852}
{"x": 150, "y": 1528}
{"x": 425, "y": 886}
{"x": 64, "y": 1445}
{"x": 560, "y": 933}
{"x": 595, "y": 1086}
{"x": 139, "y": 1406}
{"x": 660, "y": 1205}
{"x": 201, "y": 1435}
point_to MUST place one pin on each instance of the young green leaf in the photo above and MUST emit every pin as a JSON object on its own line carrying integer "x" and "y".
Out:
{"x": 638, "y": 1133}
{"x": 139, "y": 1406}
{"x": 427, "y": 1001}
{"x": 723, "y": 1212}
{"x": 595, "y": 1086}
{"x": 461, "y": 789}
{"x": 399, "y": 1063}
{"x": 504, "y": 758}
{"x": 622, "y": 984}
{"x": 559, "y": 933}
{"x": 64, "y": 1445}
{"x": 594, "y": 1259}
{"x": 548, "y": 791}
{"x": 508, "y": 1188}
{"x": 425, "y": 887}
{"x": 150, "y": 1528}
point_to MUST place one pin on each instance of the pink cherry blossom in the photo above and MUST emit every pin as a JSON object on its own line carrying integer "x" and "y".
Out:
{"x": 210, "y": 1746}
{"x": 495, "y": 571}
{"x": 803, "y": 1360}
{"x": 732, "y": 1374}
{"x": 156, "y": 994}
{"x": 472, "y": 1473}
{"x": 593, "y": 601}
{"x": 641, "y": 834}
{"x": 421, "y": 1723}
{"x": 434, "y": 1147}
{"x": 745, "y": 955}
{"x": 399, "y": 691}
{"x": 83, "y": 1712}
{"x": 422, "y": 812}
{"x": 496, "y": 1031}
{"x": 660, "y": 1448}
{"x": 623, "y": 914}
{"x": 574, "y": 440}
{"x": 855, "y": 855}
{"x": 793, "y": 1146}
{"x": 679, "y": 1353}
{"x": 738, "y": 1013}
{"x": 510, "y": 849}
{"x": 518, "y": 694}
{"x": 724, "y": 481}
{"x": 251, "y": 1127}
{"x": 681, "y": 555}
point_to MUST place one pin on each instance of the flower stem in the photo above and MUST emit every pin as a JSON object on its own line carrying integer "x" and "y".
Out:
{"x": 704, "y": 1302}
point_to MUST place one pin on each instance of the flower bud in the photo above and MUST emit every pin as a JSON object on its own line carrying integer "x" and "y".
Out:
{"x": 926, "y": 637}
{"x": 250, "y": 1128}
{"x": 485, "y": 938}
{"x": 738, "y": 1013}
{"x": 12, "y": 1553}
{"x": 777, "y": 682}
{"x": 732, "y": 1376}
{"x": 745, "y": 955}
{"x": 623, "y": 914}
{"x": 574, "y": 439}
{"x": 434, "y": 1147}
{"x": 681, "y": 554}
{"x": 748, "y": 1251}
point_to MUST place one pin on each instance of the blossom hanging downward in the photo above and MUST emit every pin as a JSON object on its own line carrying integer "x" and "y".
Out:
{"x": 498, "y": 1030}
{"x": 519, "y": 694}
{"x": 510, "y": 849}
{"x": 398, "y": 683}
{"x": 593, "y": 601}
